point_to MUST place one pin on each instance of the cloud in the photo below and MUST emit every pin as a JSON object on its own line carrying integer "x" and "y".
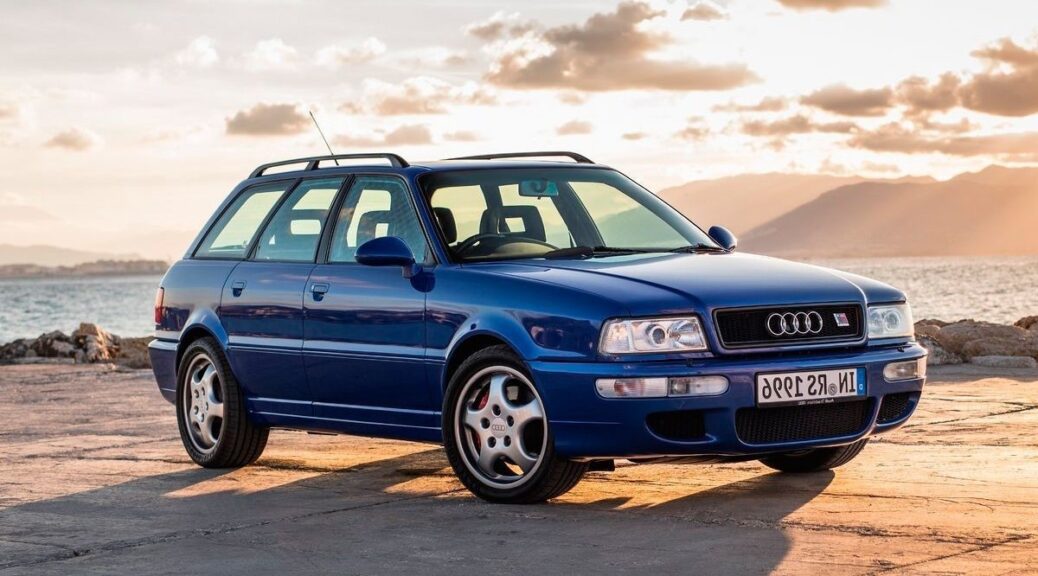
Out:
{"x": 404, "y": 135}
{"x": 607, "y": 52}
{"x": 339, "y": 54}
{"x": 771, "y": 104}
{"x": 268, "y": 120}
{"x": 9, "y": 111}
{"x": 433, "y": 57}
{"x": 574, "y": 127}
{"x": 421, "y": 95}
{"x": 199, "y": 53}
{"x": 920, "y": 96}
{"x": 1010, "y": 86}
{"x": 694, "y": 130}
{"x": 76, "y": 139}
{"x": 841, "y": 99}
{"x": 272, "y": 54}
{"x": 461, "y": 136}
{"x": 797, "y": 124}
{"x": 831, "y": 5}
{"x": 633, "y": 136}
{"x": 894, "y": 137}
{"x": 703, "y": 11}
{"x": 499, "y": 26}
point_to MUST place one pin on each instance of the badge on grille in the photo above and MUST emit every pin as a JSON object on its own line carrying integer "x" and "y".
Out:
{"x": 841, "y": 319}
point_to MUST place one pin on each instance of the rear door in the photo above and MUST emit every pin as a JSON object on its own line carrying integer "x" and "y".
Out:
{"x": 365, "y": 326}
{"x": 262, "y": 308}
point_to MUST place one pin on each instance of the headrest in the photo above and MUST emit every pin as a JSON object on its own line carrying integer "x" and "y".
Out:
{"x": 367, "y": 226}
{"x": 533, "y": 225}
{"x": 445, "y": 218}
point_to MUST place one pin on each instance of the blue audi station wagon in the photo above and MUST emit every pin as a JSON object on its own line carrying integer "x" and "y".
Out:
{"x": 538, "y": 318}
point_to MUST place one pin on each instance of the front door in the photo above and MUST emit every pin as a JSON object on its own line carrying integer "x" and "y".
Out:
{"x": 262, "y": 303}
{"x": 364, "y": 332}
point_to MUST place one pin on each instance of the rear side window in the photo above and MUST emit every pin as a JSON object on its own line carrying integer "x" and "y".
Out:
{"x": 232, "y": 233}
{"x": 295, "y": 230}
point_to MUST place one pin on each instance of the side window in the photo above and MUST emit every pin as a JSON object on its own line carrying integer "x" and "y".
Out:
{"x": 466, "y": 203}
{"x": 230, "y": 236}
{"x": 295, "y": 230}
{"x": 376, "y": 206}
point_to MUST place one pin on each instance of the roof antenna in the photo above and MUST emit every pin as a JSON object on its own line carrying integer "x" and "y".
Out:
{"x": 321, "y": 132}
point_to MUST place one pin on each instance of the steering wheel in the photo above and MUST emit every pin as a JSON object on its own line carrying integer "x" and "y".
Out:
{"x": 471, "y": 241}
{"x": 495, "y": 241}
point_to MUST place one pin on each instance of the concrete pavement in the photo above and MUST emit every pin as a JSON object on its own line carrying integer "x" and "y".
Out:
{"x": 94, "y": 480}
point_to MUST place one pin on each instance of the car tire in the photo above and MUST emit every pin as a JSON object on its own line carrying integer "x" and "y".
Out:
{"x": 496, "y": 433}
{"x": 815, "y": 460}
{"x": 211, "y": 412}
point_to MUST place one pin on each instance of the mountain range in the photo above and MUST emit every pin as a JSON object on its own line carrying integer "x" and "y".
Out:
{"x": 990, "y": 212}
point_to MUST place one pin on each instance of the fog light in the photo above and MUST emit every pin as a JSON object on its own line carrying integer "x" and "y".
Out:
{"x": 697, "y": 386}
{"x": 909, "y": 370}
{"x": 632, "y": 387}
{"x": 659, "y": 387}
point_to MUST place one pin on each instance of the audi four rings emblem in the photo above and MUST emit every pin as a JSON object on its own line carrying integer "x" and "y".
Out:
{"x": 794, "y": 323}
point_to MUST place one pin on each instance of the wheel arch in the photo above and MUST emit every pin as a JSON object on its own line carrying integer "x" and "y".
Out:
{"x": 205, "y": 326}
{"x": 468, "y": 345}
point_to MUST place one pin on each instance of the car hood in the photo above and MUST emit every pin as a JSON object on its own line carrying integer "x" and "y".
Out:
{"x": 664, "y": 283}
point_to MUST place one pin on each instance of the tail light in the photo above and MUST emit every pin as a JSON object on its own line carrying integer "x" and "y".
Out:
{"x": 160, "y": 294}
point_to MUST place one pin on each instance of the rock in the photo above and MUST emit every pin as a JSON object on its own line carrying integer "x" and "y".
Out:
{"x": 1028, "y": 323}
{"x": 968, "y": 338}
{"x": 1001, "y": 347}
{"x": 932, "y": 322}
{"x": 133, "y": 352}
{"x": 926, "y": 329}
{"x": 938, "y": 355}
{"x": 95, "y": 343}
{"x": 54, "y": 344}
{"x": 1005, "y": 361}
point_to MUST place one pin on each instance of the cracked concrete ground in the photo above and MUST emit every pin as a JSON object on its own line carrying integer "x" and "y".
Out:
{"x": 94, "y": 480}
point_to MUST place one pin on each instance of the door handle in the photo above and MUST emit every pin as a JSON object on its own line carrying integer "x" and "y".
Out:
{"x": 237, "y": 287}
{"x": 318, "y": 291}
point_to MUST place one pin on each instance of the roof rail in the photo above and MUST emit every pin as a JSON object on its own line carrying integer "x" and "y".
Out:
{"x": 313, "y": 162}
{"x": 580, "y": 158}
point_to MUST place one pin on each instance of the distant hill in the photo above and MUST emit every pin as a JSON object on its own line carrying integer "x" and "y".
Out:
{"x": 991, "y": 212}
{"x": 54, "y": 256}
{"x": 98, "y": 268}
{"x": 741, "y": 203}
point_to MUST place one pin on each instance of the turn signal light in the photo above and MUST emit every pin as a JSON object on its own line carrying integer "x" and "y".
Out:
{"x": 677, "y": 386}
{"x": 910, "y": 370}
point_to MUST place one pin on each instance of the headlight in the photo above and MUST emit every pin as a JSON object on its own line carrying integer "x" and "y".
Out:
{"x": 891, "y": 321}
{"x": 652, "y": 335}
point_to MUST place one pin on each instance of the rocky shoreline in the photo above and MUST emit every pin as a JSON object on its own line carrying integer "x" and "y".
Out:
{"x": 87, "y": 344}
{"x": 964, "y": 341}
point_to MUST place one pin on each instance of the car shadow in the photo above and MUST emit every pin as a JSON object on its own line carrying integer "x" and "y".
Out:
{"x": 396, "y": 513}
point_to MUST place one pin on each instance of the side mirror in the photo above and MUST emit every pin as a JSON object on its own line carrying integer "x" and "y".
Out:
{"x": 724, "y": 237}
{"x": 388, "y": 251}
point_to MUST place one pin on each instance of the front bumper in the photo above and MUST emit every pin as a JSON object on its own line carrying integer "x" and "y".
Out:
{"x": 585, "y": 425}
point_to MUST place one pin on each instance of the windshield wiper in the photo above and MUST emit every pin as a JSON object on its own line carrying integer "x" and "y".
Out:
{"x": 693, "y": 248}
{"x": 591, "y": 252}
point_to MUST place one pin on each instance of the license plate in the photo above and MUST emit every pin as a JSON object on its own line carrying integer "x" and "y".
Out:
{"x": 814, "y": 387}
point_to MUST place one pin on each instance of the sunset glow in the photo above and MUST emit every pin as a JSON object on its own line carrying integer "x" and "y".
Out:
{"x": 123, "y": 124}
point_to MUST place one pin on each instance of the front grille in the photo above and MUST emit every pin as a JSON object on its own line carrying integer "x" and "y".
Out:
{"x": 894, "y": 406}
{"x": 748, "y": 327}
{"x": 683, "y": 425}
{"x": 796, "y": 423}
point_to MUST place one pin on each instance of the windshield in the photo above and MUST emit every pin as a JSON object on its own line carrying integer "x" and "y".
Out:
{"x": 498, "y": 214}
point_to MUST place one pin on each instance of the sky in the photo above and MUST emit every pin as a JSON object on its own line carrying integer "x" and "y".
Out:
{"x": 124, "y": 124}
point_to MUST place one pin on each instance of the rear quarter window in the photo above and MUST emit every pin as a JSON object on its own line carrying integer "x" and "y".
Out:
{"x": 232, "y": 234}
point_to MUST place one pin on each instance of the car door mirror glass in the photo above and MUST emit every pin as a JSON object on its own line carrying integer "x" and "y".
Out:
{"x": 724, "y": 237}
